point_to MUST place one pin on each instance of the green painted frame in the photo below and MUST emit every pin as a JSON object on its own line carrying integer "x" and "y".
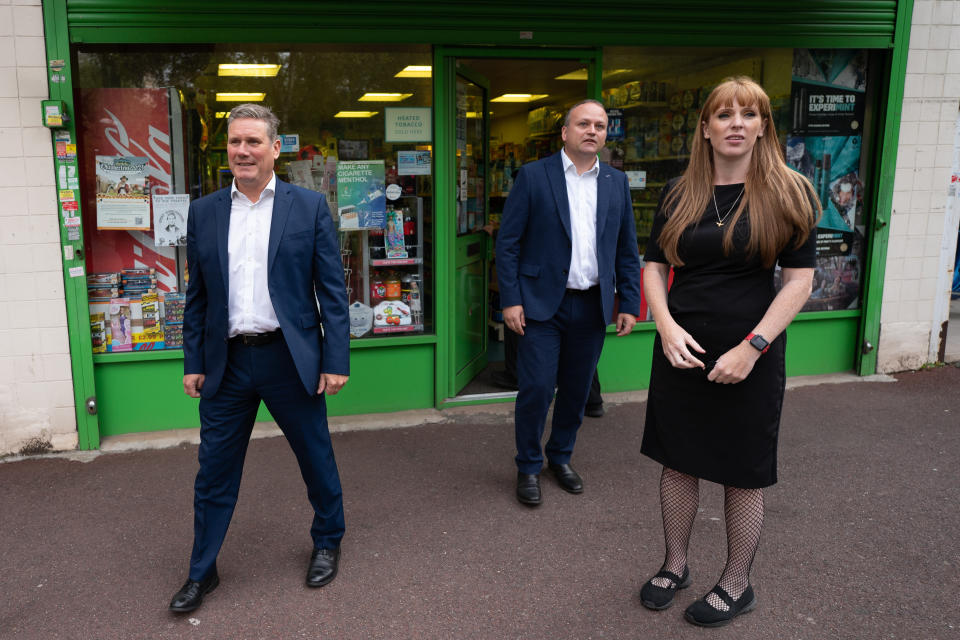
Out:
{"x": 75, "y": 289}
{"x": 884, "y": 171}
{"x": 444, "y": 74}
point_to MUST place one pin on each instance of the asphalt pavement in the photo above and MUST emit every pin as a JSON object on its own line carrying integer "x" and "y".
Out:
{"x": 860, "y": 541}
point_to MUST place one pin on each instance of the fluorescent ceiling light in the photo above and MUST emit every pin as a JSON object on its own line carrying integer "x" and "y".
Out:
{"x": 355, "y": 114}
{"x": 256, "y": 70}
{"x": 415, "y": 71}
{"x": 240, "y": 97}
{"x": 476, "y": 114}
{"x": 581, "y": 74}
{"x": 520, "y": 97}
{"x": 384, "y": 97}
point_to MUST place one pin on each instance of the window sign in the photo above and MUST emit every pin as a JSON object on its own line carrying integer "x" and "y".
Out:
{"x": 408, "y": 124}
{"x": 289, "y": 143}
{"x": 413, "y": 163}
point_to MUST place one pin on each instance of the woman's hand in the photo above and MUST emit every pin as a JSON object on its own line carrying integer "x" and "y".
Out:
{"x": 735, "y": 365}
{"x": 676, "y": 347}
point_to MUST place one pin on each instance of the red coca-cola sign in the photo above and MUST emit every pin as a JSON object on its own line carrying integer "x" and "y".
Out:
{"x": 130, "y": 123}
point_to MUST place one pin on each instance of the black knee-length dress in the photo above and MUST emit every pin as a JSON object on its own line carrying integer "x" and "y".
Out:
{"x": 725, "y": 433}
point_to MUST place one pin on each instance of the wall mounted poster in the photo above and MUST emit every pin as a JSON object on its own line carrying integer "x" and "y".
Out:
{"x": 170, "y": 219}
{"x": 361, "y": 197}
{"x": 122, "y": 200}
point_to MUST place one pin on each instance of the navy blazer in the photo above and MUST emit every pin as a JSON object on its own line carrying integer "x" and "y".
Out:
{"x": 534, "y": 246}
{"x": 303, "y": 269}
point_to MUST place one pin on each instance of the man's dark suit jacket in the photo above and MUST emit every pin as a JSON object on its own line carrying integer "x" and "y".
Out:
{"x": 534, "y": 245}
{"x": 304, "y": 269}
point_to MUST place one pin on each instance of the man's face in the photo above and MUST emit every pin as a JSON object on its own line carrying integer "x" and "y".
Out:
{"x": 250, "y": 152}
{"x": 587, "y": 131}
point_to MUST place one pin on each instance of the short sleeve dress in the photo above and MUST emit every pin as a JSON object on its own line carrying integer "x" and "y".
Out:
{"x": 725, "y": 433}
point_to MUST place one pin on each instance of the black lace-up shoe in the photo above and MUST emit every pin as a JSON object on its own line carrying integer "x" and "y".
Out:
{"x": 191, "y": 593}
{"x": 323, "y": 567}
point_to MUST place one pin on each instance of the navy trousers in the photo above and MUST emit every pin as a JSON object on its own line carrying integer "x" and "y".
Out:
{"x": 256, "y": 373}
{"x": 560, "y": 353}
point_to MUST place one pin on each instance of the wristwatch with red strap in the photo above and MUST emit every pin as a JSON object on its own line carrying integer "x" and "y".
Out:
{"x": 758, "y": 342}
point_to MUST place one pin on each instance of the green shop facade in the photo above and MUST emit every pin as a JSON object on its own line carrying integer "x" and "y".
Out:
{"x": 440, "y": 103}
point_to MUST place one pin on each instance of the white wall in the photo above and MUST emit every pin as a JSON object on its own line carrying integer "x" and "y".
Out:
{"x": 36, "y": 390}
{"x": 915, "y": 271}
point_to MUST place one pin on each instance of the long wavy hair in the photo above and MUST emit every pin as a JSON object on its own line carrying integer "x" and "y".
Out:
{"x": 781, "y": 204}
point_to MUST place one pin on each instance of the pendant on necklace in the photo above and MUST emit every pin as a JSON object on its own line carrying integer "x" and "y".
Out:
{"x": 719, "y": 224}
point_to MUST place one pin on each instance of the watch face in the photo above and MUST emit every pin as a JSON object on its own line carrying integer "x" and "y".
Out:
{"x": 759, "y": 343}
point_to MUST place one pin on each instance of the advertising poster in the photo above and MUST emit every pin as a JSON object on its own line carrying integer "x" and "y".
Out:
{"x": 832, "y": 164}
{"x": 827, "y": 103}
{"x": 615, "y": 124}
{"x": 827, "y": 95}
{"x": 131, "y": 123}
{"x": 122, "y": 201}
{"x": 361, "y": 197}
{"x": 170, "y": 219}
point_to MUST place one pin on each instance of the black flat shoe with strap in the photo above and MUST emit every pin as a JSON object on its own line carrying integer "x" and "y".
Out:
{"x": 659, "y": 598}
{"x": 703, "y": 614}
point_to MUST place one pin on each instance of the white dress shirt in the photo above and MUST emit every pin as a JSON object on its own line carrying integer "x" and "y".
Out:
{"x": 582, "y": 198}
{"x": 250, "y": 309}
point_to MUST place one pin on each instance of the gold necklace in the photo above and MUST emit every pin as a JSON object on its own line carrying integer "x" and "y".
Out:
{"x": 720, "y": 220}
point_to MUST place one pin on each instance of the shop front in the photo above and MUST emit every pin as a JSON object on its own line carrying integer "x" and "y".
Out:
{"x": 414, "y": 134}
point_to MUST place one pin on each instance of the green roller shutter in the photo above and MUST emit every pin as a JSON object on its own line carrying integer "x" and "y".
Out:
{"x": 754, "y": 23}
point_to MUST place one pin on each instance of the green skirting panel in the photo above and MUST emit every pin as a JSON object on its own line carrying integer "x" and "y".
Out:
{"x": 822, "y": 342}
{"x": 625, "y": 362}
{"x": 136, "y": 394}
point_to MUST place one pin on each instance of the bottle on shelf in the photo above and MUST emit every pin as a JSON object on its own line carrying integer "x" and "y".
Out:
{"x": 378, "y": 288}
{"x": 392, "y": 288}
{"x": 377, "y": 249}
{"x": 410, "y": 235}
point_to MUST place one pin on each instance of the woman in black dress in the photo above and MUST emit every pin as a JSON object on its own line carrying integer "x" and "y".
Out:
{"x": 717, "y": 379}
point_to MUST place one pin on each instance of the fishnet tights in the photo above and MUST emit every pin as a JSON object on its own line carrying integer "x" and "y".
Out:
{"x": 679, "y": 498}
{"x": 743, "y": 511}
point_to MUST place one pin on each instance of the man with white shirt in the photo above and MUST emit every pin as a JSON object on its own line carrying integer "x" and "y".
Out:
{"x": 566, "y": 245}
{"x": 265, "y": 319}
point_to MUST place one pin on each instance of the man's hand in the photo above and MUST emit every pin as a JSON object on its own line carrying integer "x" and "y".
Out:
{"x": 514, "y": 319}
{"x": 192, "y": 383}
{"x": 331, "y": 383}
{"x": 625, "y": 322}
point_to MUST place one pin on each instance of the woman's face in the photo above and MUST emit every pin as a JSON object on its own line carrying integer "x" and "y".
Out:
{"x": 733, "y": 131}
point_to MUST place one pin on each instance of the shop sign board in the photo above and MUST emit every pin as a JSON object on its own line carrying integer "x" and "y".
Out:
{"x": 408, "y": 124}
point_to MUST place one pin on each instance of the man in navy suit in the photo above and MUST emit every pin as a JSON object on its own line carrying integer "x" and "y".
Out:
{"x": 566, "y": 244}
{"x": 266, "y": 319}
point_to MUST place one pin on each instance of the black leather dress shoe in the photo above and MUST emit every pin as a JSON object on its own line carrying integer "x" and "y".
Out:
{"x": 569, "y": 479}
{"x": 594, "y": 411}
{"x": 528, "y": 488}
{"x": 191, "y": 593}
{"x": 323, "y": 567}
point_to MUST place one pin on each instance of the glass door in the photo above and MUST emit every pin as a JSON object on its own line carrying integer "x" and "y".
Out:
{"x": 469, "y": 317}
